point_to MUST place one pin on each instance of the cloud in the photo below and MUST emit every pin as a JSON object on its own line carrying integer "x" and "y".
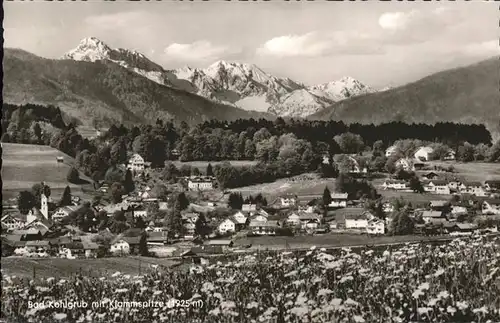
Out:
{"x": 198, "y": 51}
{"x": 128, "y": 19}
{"x": 396, "y": 20}
{"x": 483, "y": 49}
{"x": 315, "y": 44}
{"x": 309, "y": 45}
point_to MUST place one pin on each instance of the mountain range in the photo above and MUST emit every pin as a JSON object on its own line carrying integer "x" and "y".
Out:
{"x": 468, "y": 94}
{"x": 94, "y": 82}
{"x": 240, "y": 85}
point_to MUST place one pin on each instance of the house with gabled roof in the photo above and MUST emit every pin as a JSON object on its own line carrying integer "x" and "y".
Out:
{"x": 392, "y": 150}
{"x": 338, "y": 200}
{"x": 423, "y": 153}
{"x": 264, "y": 228}
{"x": 491, "y": 206}
{"x": 437, "y": 186}
{"x": 63, "y": 212}
{"x": 13, "y": 221}
{"x": 429, "y": 216}
{"x": 472, "y": 187}
{"x": 136, "y": 163}
{"x": 375, "y": 226}
{"x": 288, "y": 200}
{"x": 492, "y": 185}
{"x": 394, "y": 184}
{"x": 227, "y": 226}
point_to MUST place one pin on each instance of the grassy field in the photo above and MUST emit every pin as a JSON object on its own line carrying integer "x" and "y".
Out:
{"x": 472, "y": 171}
{"x": 25, "y": 165}
{"x": 202, "y": 165}
{"x": 63, "y": 268}
{"x": 313, "y": 186}
{"x": 326, "y": 240}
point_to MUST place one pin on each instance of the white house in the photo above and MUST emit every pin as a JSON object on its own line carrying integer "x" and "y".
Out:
{"x": 200, "y": 183}
{"x": 306, "y": 208}
{"x": 491, "y": 207}
{"x": 287, "y": 201}
{"x": 492, "y": 185}
{"x": 120, "y": 247}
{"x": 258, "y": 217}
{"x": 338, "y": 200}
{"x": 240, "y": 218}
{"x": 391, "y": 151}
{"x": 13, "y": 221}
{"x": 394, "y": 184}
{"x": 375, "y": 226}
{"x": 307, "y": 220}
{"x": 63, "y": 212}
{"x": 226, "y": 226}
{"x": 474, "y": 188}
{"x": 437, "y": 187}
{"x": 388, "y": 207}
{"x": 264, "y": 228}
{"x": 423, "y": 153}
{"x": 136, "y": 163}
{"x": 141, "y": 212}
{"x": 357, "y": 221}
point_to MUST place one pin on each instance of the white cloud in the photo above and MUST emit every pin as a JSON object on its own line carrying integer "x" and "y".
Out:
{"x": 309, "y": 45}
{"x": 483, "y": 49}
{"x": 396, "y": 20}
{"x": 197, "y": 51}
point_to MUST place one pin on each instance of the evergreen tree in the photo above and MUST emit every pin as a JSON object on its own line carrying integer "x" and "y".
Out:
{"x": 416, "y": 185}
{"x": 117, "y": 191}
{"x": 210, "y": 171}
{"x": 182, "y": 201}
{"x": 66, "y": 197}
{"x": 128, "y": 184}
{"x": 327, "y": 196}
{"x": 235, "y": 201}
{"x": 25, "y": 201}
{"x": 73, "y": 176}
{"x": 201, "y": 227}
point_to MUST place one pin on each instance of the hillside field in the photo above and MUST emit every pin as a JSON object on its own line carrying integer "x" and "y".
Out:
{"x": 474, "y": 171}
{"x": 202, "y": 165}
{"x": 65, "y": 268}
{"x": 25, "y": 165}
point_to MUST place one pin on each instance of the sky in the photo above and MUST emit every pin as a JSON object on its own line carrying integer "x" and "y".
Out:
{"x": 379, "y": 43}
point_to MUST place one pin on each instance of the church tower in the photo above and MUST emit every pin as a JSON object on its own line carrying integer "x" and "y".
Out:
{"x": 44, "y": 207}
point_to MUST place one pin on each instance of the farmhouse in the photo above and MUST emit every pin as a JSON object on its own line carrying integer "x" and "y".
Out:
{"x": 491, "y": 206}
{"x": 423, "y": 153}
{"x": 492, "y": 185}
{"x": 395, "y": 184}
{"x": 227, "y": 226}
{"x": 224, "y": 245}
{"x": 474, "y": 188}
{"x": 375, "y": 226}
{"x": 293, "y": 219}
{"x": 38, "y": 246}
{"x": 240, "y": 219}
{"x": 437, "y": 186}
{"x": 200, "y": 183}
{"x": 63, "y": 212}
{"x": 438, "y": 205}
{"x": 264, "y": 228}
{"x": 458, "y": 210}
{"x": 356, "y": 221}
{"x": 450, "y": 155}
{"x": 13, "y": 221}
{"x": 338, "y": 200}
{"x": 136, "y": 163}
{"x": 308, "y": 220}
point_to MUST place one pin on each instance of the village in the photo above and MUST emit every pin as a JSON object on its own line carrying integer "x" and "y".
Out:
{"x": 42, "y": 232}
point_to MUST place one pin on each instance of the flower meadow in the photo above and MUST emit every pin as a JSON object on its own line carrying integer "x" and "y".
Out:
{"x": 454, "y": 282}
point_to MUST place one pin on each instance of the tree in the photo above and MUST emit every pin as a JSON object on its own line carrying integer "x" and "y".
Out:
{"x": 415, "y": 185}
{"x": 25, "y": 201}
{"x": 38, "y": 189}
{"x": 73, "y": 176}
{"x": 494, "y": 153}
{"x": 128, "y": 184}
{"x": 117, "y": 190}
{"x": 182, "y": 201}
{"x": 235, "y": 201}
{"x": 143, "y": 244}
{"x": 210, "y": 171}
{"x": 327, "y": 196}
{"x": 118, "y": 152}
{"x": 113, "y": 174}
{"x": 350, "y": 143}
{"x": 174, "y": 221}
{"x": 201, "y": 227}
{"x": 401, "y": 224}
{"x": 66, "y": 197}
{"x": 6, "y": 137}
{"x": 160, "y": 191}
{"x": 465, "y": 153}
{"x": 170, "y": 172}
{"x": 195, "y": 171}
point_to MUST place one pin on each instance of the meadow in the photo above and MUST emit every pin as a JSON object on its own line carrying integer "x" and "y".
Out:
{"x": 25, "y": 165}
{"x": 64, "y": 268}
{"x": 473, "y": 171}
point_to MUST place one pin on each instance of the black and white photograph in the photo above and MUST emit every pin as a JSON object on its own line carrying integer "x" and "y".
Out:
{"x": 250, "y": 162}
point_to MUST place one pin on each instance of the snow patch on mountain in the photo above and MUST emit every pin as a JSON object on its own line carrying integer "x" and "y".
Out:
{"x": 237, "y": 84}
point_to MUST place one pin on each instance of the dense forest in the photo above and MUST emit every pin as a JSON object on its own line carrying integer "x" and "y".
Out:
{"x": 282, "y": 148}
